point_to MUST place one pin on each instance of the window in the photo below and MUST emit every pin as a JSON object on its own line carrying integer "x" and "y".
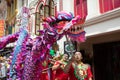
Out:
{"x": 12, "y": 9}
{"x": 106, "y": 5}
{"x": 38, "y": 19}
{"x": 77, "y": 2}
{"x": 37, "y": 23}
{"x": 23, "y": 2}
{"x": 80, "y": 8}
{"x": 49, "y": 8}
{"x": 44, "y": 11}
{"x": 52, "y": 8}
{"x": 116, "y": 3}
{"x": 15, "y": 4}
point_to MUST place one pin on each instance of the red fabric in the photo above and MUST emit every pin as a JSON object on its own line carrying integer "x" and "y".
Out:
{"x": 89, "y": 73}
{"x": 71, "y": 73}
{"x": 44, "y": 76}
{"x": 59, "y": 74}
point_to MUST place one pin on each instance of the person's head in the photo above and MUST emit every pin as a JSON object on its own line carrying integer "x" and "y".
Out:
{"x": 1, "y": 59}
{"x": 65, "y": 57}
{"x": 78, "y": 56}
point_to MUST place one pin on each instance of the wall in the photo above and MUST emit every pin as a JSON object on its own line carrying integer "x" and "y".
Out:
{"x": 104, "y": 27}
{"x": 68, "y": 5}
{"x": 100, "y": 29}
{"x": 93, "y": 8}
{"x": 103, "y": 38}
{"x": 104, "y": 23}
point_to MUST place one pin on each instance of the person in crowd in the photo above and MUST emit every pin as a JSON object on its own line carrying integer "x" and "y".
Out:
{"x": 77, "y": 69}
{"x": 3, "y": 69}
{"x": 58, "y": 68}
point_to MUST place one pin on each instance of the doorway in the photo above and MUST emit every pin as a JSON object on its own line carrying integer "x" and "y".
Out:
{"x": 107, "y": 61}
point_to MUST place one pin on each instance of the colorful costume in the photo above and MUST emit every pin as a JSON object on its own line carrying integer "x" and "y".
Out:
{"x": 80, "y": 72}
{"x": 59, "y": 73}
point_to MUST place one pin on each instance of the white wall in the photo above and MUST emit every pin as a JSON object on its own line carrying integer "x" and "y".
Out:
{"x": 57, "y": 3}
{"x": 61, "y": 45}
{"x": 103, "y": 23}
{"x": 93, "y": 8}
{"x": 103, "y": 27}
{"x": 68, "y": 5}
{"x": 19, "y": 5}
{"x": 33, "y": 26}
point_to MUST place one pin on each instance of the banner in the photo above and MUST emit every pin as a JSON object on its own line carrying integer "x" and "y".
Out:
{"x": 1, "y": 28}
{"x": 70, "y": 47}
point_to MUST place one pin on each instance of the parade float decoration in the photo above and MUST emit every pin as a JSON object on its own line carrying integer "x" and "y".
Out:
{"x": 28, "y": 54}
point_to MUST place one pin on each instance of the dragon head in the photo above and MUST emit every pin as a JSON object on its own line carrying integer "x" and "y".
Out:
{"x": 65, "y": 24}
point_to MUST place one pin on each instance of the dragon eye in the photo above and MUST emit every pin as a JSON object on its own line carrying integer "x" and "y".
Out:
{"x": 78, "y": 28}
{"x": 74, "y": 29}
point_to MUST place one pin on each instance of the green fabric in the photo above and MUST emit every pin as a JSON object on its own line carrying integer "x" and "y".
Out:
{"x": 52, "y": 52}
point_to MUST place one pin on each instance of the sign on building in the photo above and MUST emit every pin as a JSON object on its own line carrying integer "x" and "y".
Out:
{"x": 1, "y": 28}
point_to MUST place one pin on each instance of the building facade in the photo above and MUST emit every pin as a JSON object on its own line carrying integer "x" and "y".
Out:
{"x": 103, "y": 42}
{"x": 3, "y": 15}
{"x": 11, "y": 10}
{"x": 40, "y": 9}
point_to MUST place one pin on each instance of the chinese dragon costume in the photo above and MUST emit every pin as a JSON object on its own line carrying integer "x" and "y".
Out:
{"x": 28, "y": 54}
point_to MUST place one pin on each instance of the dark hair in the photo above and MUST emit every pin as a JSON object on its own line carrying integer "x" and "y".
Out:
{"x": 85, "y": 56}
{"x": 82, "y": 54}
{"x": 67, "y": 54}
{"x": 81, "y": 51}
